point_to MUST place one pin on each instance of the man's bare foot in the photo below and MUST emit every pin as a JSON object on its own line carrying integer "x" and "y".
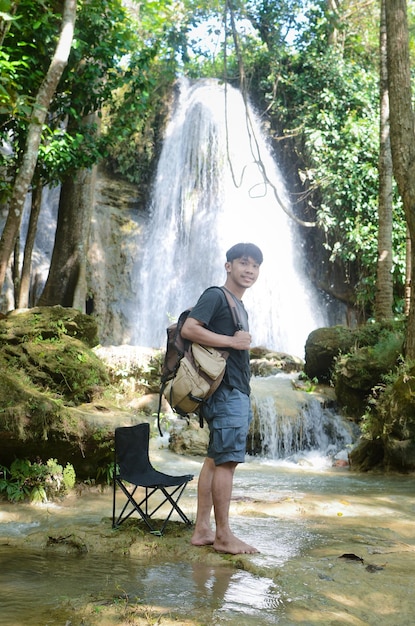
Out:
{"x": 203, "y": 538}
{"x": 233, "y": 545}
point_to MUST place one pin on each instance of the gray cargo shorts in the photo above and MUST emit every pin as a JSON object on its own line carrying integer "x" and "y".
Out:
{"x": 228, "y": 414}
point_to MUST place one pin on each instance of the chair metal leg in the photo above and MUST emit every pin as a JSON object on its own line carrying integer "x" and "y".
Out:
{"x": 147, "y": 515}
{"x": 135, "y": 507}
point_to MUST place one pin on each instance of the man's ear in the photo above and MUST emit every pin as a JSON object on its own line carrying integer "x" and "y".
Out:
{"x": 228, "y": 266}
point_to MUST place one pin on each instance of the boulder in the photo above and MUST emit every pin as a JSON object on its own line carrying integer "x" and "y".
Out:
{"x": 266, "y": 363}
{"x": 188, "y": 438}
{"x": 322, "y": 347}
{"x": 47, "y": 369}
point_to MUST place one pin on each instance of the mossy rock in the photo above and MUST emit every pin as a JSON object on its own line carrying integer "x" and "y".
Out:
{"x": 389, "y": 443}
{"x": 322, "y": 348}
{"x": 325, "y": 345}
{"x": 48, "y": 359}
{"x": 367, "y": 455}
{"x": 65, "y": 367}
{"x": 47, "y": 366}
{"x": 44, "y": 323}
{"x": 359, "y": 372}
{"x": 383, "y": 455}
{"x": 394, "y": 412}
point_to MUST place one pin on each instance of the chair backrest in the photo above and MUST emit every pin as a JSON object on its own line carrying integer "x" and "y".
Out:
{"x": 131, "y": 450}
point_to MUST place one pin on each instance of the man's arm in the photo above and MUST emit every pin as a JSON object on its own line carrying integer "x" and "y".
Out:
{"x": 196, "y": 331}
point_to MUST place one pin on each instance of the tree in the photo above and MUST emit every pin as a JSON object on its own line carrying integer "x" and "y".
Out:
{"x": 22, "y": 281}
{"x": 96, "y": 75}
{"x": 114, "y": 50}
{"x": 66, "y": 282}
{"x": 384, "y": 278}
{"x": 402, "y": 132}
{"x": 37, "y": 118}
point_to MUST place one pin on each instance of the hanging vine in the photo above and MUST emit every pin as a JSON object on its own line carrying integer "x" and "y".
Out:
{"x": 254, "y": 147}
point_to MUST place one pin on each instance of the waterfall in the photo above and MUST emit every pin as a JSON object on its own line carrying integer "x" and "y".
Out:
{"x": 313, "y": 428}
{"x": 292, "y": 423}
{"x": 210, "y": 193}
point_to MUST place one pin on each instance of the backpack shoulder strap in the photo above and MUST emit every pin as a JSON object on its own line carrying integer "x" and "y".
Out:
{"x": 233, "y": 308}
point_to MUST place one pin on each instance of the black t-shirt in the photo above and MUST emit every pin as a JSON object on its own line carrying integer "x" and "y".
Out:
{"x": 212, "y": 310}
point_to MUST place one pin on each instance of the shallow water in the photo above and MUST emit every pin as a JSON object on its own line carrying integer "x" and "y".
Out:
{"x": 302, "y": 517}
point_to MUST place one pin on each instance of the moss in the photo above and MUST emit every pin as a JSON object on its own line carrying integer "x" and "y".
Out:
{"x": 46, "y": 366}
{"x": 389, "y": 424}
{"x": 64, "y": 367}
{"x": 48, "y": 323}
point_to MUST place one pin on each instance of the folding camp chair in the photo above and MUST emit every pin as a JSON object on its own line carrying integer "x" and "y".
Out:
{"x": 132, "y": 465}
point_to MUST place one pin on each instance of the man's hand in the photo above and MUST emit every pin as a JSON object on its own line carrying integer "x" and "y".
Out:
{"x": 241, "y": 340}
{"x": 195, "y": 331}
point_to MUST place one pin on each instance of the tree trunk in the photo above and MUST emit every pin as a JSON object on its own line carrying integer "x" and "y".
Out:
{"x": 16, "y": 270}
{"x": 22, "y": 299}
{"x": 402, "y": 131}
{"x": 66, "y": 282}
{"x": 333, "y": 7}
{"x": 30, "y": 154}
{"x": 408, "y": 271}
{"x": 384, "y": 279}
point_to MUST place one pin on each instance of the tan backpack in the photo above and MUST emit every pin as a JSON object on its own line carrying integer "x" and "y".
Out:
{"x": 192, "y": 372}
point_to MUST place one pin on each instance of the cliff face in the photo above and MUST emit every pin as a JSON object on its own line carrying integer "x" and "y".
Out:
{"x": 118, "y": 226}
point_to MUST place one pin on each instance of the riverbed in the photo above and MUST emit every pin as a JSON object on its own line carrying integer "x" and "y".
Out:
{"x": 336, "y": 547}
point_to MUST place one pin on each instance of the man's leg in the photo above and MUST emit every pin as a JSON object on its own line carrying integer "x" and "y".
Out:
{"x": 232, "y": 408}
{"x": 203, "y": 534}
{"x": 225, "y": 540}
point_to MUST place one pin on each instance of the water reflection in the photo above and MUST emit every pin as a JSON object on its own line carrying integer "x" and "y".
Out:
{"x": 34, "y": 588}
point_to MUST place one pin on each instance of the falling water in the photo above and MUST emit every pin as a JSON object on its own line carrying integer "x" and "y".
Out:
{"x": 313, "y": 429}
{"x": 211, "y": 192}
{"x": 295, "y": 426}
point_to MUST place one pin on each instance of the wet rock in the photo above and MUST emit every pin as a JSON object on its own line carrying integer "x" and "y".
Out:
{"x": 189, "y": 438}
{"x": 266, "y": 363}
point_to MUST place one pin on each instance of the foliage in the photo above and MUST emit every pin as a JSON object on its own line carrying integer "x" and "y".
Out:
{"x": 37, "y": 481}
{"x": 371, "y": 362}
{"x": 133, "y": 117}
{"x": 315, "y": 73}
{"x": 308, "y": 384}
{"x": 113, "y": 48}
{"x": 133, "y": 120}
{"x": 390, "y": 408}
{"x": 106, "y": 473}
{"x": 341, "y": 150}
{"x": 375, "y": 355}
{"x": 312, "y": 71}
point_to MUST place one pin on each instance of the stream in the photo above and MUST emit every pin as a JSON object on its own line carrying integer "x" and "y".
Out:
{"x": 303, "y": 517}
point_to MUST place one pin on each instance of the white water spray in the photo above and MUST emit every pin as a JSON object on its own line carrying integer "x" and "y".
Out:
{"x": 293, "y": 424}
{"x": 210, "y": 192}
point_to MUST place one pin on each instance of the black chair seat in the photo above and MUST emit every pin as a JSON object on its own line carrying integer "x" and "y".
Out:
{"x": 133, "y": 469}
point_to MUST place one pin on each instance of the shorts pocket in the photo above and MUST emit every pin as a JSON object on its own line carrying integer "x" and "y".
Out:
{"x": 229, "y": 439}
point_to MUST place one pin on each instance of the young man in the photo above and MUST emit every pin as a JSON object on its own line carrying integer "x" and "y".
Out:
{"x": 228, "y": 410}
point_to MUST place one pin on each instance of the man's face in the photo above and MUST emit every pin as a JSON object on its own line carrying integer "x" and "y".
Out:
{"x": 243, "y": 271}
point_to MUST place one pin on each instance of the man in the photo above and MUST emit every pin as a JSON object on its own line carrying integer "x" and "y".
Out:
{"x": 228, "y": 410}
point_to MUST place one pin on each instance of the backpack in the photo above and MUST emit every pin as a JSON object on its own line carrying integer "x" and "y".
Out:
{"x": 191, "y": 372}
